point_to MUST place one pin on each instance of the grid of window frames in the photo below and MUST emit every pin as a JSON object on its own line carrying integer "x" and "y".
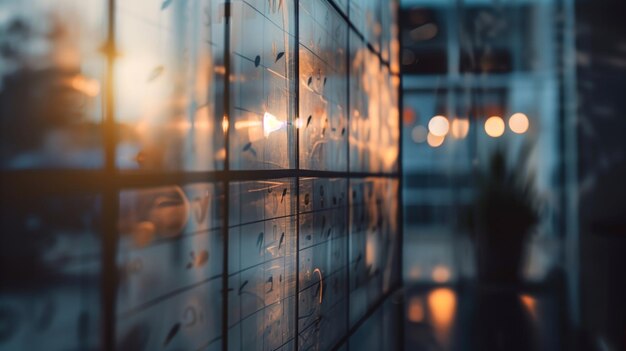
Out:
{"x": 199, "y": 175}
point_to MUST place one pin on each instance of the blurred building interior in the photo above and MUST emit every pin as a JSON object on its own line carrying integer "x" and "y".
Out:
{"x": 312, "y": 175}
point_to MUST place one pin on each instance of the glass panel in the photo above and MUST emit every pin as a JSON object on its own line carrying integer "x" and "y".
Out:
{"x": 374, "y": 245}
{"x": 50, "y": 259}
{"x": 169, "y": 85}
{"x": 323, "y": 88}
{"x": 262, "y": 266}
{"x": 322, "y": 314}
{"x": 51, "y": 74}
{"x": 170, "y": 259}
{"x": 374, "y": 119}
{"x": 262, "y": 84}
{"x": 381, "y": 330}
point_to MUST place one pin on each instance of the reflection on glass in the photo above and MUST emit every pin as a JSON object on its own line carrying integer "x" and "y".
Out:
{"x": 170, "y": 264}
{"x": 50, "y": 262}
{"x": 374, "y": 115}
{"x": 323, "y": 262}
{"x": 262, "y": 82}
{"x": 373, "y": 241}
{"x": 262, "y": 266}
{"x": 50, "y": 83}
{"x": 442, "y": 307}
{"x": 168, "y": 85}
{"x": 323, "y": 88}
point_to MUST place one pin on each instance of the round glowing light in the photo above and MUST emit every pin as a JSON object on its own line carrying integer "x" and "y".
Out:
{"x": 434, "y": 140}
{"x": 418, "y": 134}
{"x": 441, "y": 274}
{"x": 494, "y": 126}
{"x": 459, "y": 128}
{"x": 518, "y": 123}
{"x": 439, "y": 126}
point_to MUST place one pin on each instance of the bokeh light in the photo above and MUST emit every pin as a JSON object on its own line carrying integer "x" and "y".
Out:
{"x": 419, "y": 134}
{"x": 434, "y": 140}
{"x": 494, "y": 126}
{"x": 439, "y": 126}
{"x": 441, "y": 274}
{"x": 459, "y": 128}
{"x": 415, "y": 311}
{"x": 518, "y": 123}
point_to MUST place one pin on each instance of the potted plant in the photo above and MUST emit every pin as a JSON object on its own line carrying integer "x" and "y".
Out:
{"x": 504, "y": 213}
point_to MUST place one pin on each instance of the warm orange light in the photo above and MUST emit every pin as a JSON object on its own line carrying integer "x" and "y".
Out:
{"x": 518, "y": 123}
{"x": 224, "y": 124}
{"x": 415, "y": 311}
{"x": 494, "y": 126}
{"x": 183, "y": 125}
{"x": 408, "y": 115}
{"x": 434, "y": 141}
{"x": 271, "y": 124}
{"x": 419, "y": 134}
{"x": 415, "y": 272}
{"x": 460, "y": 127}
{"x": 439, "y": 126}
{"x": 220, "y": 70}
{"x": 247, "y": 124}
{"x": 89, "y": 87}
{"x": 317, "y": 270}
{"x": 201, "y": 119}
{"x": 530, "y": 303}
{"x": 297, "y": 123}
{"x": 442, "y": 305}
{"x": 441, "y": 274}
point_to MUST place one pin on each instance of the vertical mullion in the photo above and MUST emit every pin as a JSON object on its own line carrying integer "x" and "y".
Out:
{"x": 226, "y": 182}
{"x": 297, "y": 167}
{"x": 348, "y": 169}
{"x": 110, "y": 193}
{"x": 400, "y": 177}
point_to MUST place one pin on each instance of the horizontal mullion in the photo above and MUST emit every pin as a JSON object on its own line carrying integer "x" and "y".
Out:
{"x": 35, "y": 182}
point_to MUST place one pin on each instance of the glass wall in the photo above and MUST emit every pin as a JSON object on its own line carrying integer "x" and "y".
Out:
{"x": 199, "y": 174}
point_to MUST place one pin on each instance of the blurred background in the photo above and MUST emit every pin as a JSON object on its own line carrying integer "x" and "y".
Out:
{"x": 315, "y": 175}
{"x": 538, "y": 83}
